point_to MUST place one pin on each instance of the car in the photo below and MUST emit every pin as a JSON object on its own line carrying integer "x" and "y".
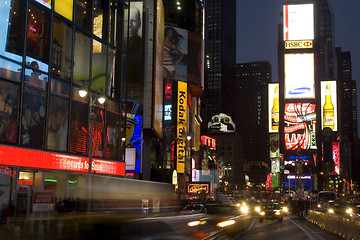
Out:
{"x": 193, "y": 209}
{"x": 271, "y": 211}
{"x": 339, "y": 208}
{"x": 220, "y": 220}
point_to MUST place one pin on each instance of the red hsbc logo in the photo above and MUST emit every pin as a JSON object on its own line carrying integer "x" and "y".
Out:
{"x": 298, "y": 44}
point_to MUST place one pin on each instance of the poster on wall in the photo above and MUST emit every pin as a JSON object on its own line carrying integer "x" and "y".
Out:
{"x": 273, "y": 106}
{"x": 181, "y": 132}
{"x": 274, "y": 145}
{"x": 299, "y": 126}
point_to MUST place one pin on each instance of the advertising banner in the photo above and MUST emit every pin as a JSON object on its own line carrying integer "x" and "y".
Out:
{"x": 181, "y": 126}
{"x": 299, "y": 76}
{"x": 273, "y": 113}
{"x": 198, "y": 187}
{"x": 336, "y": 156}
{"x": 158, "y": 69}
{"x": 298, "y": 22}
{"x": 298, "y": 44}
{"x": 221, "y": 123}
{"x": 274, "y": 145}
{"x": 299, "y": 126}
{"x": 175, "y": 53}
{"x": 275, "y": 165}
{"x": 329, "y": 105}
{"x": 195, "y": 60}
{"x": 43, "y": 202}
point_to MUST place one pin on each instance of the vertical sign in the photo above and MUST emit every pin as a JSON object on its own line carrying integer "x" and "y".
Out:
{"x": 273, "y": 113}
{"x": 181, "y": 126}
{"x": 298, "y": 22}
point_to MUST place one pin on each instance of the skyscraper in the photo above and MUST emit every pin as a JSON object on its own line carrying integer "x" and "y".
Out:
{"x": 220, "y": 55}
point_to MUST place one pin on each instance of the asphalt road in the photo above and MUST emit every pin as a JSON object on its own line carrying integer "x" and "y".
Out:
{"x": 290, "y": 229}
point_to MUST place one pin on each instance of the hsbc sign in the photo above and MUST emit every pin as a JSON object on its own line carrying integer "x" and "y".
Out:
{"x": 298, "y": 44}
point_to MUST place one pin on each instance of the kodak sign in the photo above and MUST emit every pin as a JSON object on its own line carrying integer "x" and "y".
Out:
{"x": 181, "y": 126}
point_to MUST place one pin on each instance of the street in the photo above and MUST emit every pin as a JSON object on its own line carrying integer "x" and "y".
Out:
{"x": 291, "y": 228}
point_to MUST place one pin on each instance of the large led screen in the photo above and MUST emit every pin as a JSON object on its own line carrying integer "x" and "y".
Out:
{"x": 299, "y": 126}
{"x": 298, "y": 22}
{"x": 336, "y": 156}
{"x": 299, "y": 76}
{"x": 273, "y": 113}
{"x": 329, "y": 105}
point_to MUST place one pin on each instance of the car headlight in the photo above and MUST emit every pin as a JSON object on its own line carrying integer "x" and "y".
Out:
{"x": 257, "y": 209}
{"x": 277, "y": 213}
{"x": 349, "y": 210}
{"x": 331, "y": 210}
{"x": 285, "y": 209}
{"x": 226, "y": 223}
{"x": 262, "y": 213}
{"x": 244, "y": 209}
{"x": 319, "y": 205}
{"x": 195, "y": 223}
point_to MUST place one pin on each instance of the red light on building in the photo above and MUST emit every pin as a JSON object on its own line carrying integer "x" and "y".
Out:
{"x": 48, "y": 160}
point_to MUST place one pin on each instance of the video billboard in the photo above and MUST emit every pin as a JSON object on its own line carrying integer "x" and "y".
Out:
{"x": 329, "y": 105}
{"x": 298, "y": 22}
{"x": 336, "y": 156}
{"x": 274, "y": 145}
{"x": 221, "y": 123}
{"x": 273, "y": 113}
{"x": 299, "y": 76}
{"x": 299, "y": 126}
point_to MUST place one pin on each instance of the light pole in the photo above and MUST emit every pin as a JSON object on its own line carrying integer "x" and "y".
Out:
{"x": 187, "y": 159}
{"x": 101, "y": 99}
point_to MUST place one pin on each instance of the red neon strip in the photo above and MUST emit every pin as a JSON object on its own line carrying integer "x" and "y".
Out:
{"x": 48, "y": 160}
{"x": 286, "y": 23}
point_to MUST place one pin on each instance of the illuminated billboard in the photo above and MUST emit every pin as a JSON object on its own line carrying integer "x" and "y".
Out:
{"x": 274, "y": 145}
{"x": 298, "y": 44}
{"x": 181, "y": 132}
{"x": 298, "y": 22}
{"x": 299, "y": 76}
{"x": 273, "y": 101}
{"x": 157, "y": 122}
{"x": 336, "y": 156}
{"x": 299, "y": 126}
{"x": 275, "y": 165}
{"x": 329, "y": 105}
{"x": 221, "y": 123}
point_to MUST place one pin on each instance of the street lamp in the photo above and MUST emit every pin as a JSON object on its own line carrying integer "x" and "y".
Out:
{"x": 101, "y": 99}
{"x": 187, "y": 159}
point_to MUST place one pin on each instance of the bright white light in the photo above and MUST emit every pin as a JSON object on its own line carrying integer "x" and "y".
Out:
{"x": 101, "y": 100}
{"x": 226, "y": 223}
{"x": 82, "y": 92}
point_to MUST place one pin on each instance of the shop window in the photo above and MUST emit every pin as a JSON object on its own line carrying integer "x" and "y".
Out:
{"x": 26, "y": 178}
{"x": 112, "y": 130}
{"x": 79, "y": 127}
{"x": 116, "y": 23}
{"x": 64, "y": 8}
{"x": 10, "y": 70}
{"x": 36, "y": 78}
{"x": 58, "y": 116}
{"x": 12, "y": 18}
{"x": 98, "y": 75}
{"x": 9, "y": 111}
{"x": 33, "y": 118}
{"x": 83, "y": 13}
{"x": 81, "y": 59}
{"x": 101, "y": 18}
{"x": 61, "y": 49}
{"x": 38, "y": 34}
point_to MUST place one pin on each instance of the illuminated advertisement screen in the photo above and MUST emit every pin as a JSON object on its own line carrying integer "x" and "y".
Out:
{"x": 175, "y": 53}
{"x": 298, "y": 22}
{"x": 299, "y": 126}
{"x": 274, "y": 145}
{"x": 273, "y": 101}
{"x": 64, "y": 8}
{"x": 298, "y": 44}
{"x": 195, "y": 63}
{"x": 299, "y": 75}
{"x": 198, "y": 187}
{"x": 181, "y": 132}
{"x": 307, "y": 182}
{"x": 157, "y": 122}
{"x": 329, "y": 105}
{"x": 49, "y": 160}
{"x": 135, "y": 142}
{"x": 336, "y": 156}
{"x": 275, "y": 165}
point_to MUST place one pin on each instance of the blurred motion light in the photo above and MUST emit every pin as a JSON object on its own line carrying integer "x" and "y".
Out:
{"x": 226, "y": 223}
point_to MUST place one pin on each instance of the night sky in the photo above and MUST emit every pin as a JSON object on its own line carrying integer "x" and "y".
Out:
{"x": 257, "y": 33}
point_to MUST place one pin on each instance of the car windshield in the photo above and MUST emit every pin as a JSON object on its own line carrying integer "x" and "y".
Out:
{"x": 271, "y": 206}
